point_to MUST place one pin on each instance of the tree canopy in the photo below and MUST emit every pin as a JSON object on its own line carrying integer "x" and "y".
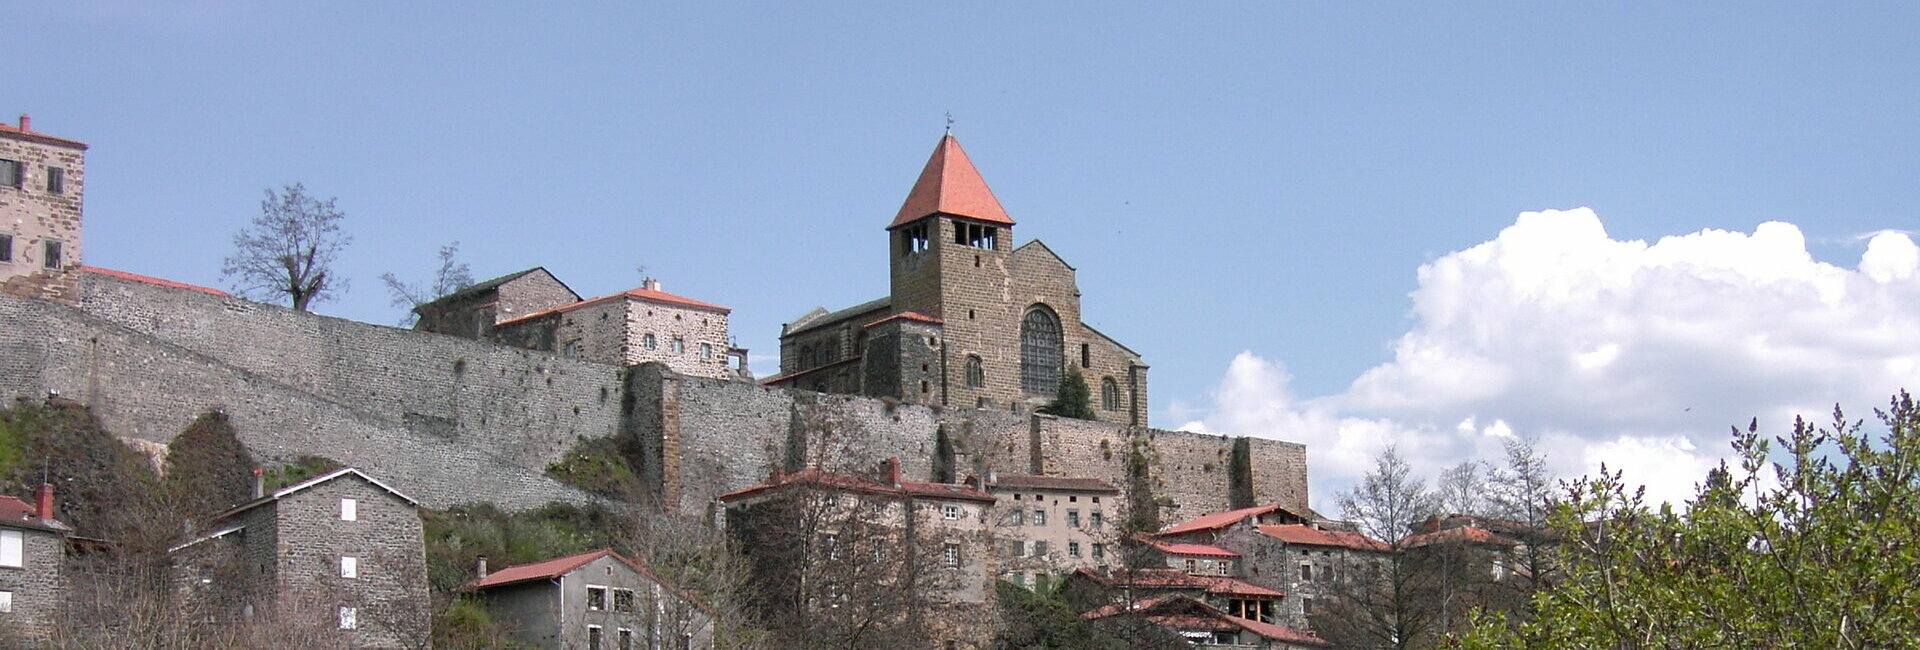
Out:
{"x": 288, "y": 251}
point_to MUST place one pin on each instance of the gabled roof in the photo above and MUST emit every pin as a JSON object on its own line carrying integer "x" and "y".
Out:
{"x": 649, "y": 295}
{"x": 950, "y": 185}
{"x": 814, "y": 477}
{"x": 1194, "y": 550}
{"x": 489, "y": 285}
{"x": 290, "y": 490}
{"x": 1044, "y": 248}
{"x": 1179, "y": 612}
{"x": 1309, "y": 536}
{"x": 15, "y": 513}
{"x": 545, "y": 569}
{"x": 1462, "y": 535}
{"x": 1068, "y": 483}
{"x": 1218, "y": 520}
{"x": 152, "y": 280}
{"x": 812, "y": 320}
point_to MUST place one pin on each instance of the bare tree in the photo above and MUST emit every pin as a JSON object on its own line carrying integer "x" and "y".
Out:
{"x": 707, "y": 581}
{"x": 1462, "y": 489}
{"x": 289, "y": 250}
{"x": 1524, "y": 494}
{"x": 1382, "y": 600}
{"x": 452, "y": 276}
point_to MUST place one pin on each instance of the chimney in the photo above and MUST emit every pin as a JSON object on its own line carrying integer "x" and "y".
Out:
{"x": 43, "y": 501}
{"x": 650, "y": 284}
{"x": 480, "y": 568}
{"x": 26, "y": 123}
{"x": 993, "y": 477}
{"x": 259, "y": 482}
{"x": 893, "y": 470}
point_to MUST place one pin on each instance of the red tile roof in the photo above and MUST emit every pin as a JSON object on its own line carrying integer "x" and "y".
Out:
{"x": 1310, "y": 536}
{"x": 546, "y": 569}
{"x": 1033, "y": 482}
{"x": 907, "y": 315}
{"x": 1461, "y": 535}
{"x": 846, "y": 482}
{"x": 1279, "y": 632}
{"x": 1183, "y": 612}
{"x": 1217, "y": 520}
{"x": 152, "y": 280}
{"x": 41, "y": 137}
{"x": 950, "y": 185}
{"x": 15, "y": 512}
{"x": 1198, "y": 550}
{"x": 638, "y": 294}
{"x": 1177, "y": 579}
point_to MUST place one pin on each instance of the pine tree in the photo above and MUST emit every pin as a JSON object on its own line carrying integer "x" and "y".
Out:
{"x": 1073, "y": 400}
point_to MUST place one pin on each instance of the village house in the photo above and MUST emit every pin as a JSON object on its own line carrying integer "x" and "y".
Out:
{"x": 1051, "y": 525}
{"x": 341, "y": 549}
{"x": 32, "y": 556}
{"x": 1307, "y": 561}
{"x": 831, "y": 552}
{"x": 598, "y": 600}
{"x": 1205, "y": 626}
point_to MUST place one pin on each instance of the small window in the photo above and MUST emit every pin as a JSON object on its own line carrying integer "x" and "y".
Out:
{"x": 950, "y": 511}
{"x": 1099, "y": 550}
{"x": 9, "y": 173}
{"x": 1190, "y": 565}
{"x": 1073, "y": 518}
{"x": 706, "y": 351}
{"x": 596, "y": 599}
{"x": 349, "y": 618}
{"x": 626, "y": 639}
{"x": 50, "y": 256}
{"x": 6, "y": 601}
{"x": 349, "y": 567}
{"x": 593, "y": 638}
{"x": 1306, "y": 606}
{"x": 1223, "y": 567}
{"x": 1095, "y": 519}
{"x": 679, "y": 345}
{"x": 649, "y": 342}
{"x": 1019, "y": 517}
{"x": 951, "y": 553}
{"x": 1086, "y": 356}
{"x": 976, "y": 372}
{"x": 623, "y": 600}
{"x": 349, "y": 510}
{"x": 571, "y": 350}
{"x": 1073, "y": 549}
{"x": 1306, "y": 573}
{"x": 1039, "y": 517}
{"x": 913, "y": 239}
{"x": 6, "y": 248}
{"x": 1109, "y": 394}
{"x": 12, "y": 549}
{"x": 56, "y": 180}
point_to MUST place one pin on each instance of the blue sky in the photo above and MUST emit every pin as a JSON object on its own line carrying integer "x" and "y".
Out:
{"x": 1249, "y": 191}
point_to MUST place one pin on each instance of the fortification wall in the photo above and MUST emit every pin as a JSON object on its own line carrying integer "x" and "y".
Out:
{"x": 714, "y": 437}
{"x": 524, "y": 407}
{"x": 146, "y": 388}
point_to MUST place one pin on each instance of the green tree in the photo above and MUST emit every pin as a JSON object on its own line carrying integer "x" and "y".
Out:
{"x": 1073, "y": 400}
{"x": 1240, "y": 474}
{"x": 1815, "y": 550}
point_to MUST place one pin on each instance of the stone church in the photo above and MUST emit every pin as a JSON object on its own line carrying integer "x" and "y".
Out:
{"x": 970, "y": 321}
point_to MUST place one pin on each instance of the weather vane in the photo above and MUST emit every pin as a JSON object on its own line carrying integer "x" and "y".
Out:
{"x": 949, "y": 122}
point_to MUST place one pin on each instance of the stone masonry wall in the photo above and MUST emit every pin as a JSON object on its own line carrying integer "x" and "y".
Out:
{"x": 30, "y": 214}
{"x": 390, "y": 591}
{"x": 147, "y": 388}
{"x": 38, "y": 587}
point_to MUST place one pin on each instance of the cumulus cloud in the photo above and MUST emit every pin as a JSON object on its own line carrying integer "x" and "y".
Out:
{"x": 1637, "y": 355}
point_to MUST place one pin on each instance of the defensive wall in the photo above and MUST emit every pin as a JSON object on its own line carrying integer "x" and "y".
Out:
{"x": 450, "y": 420}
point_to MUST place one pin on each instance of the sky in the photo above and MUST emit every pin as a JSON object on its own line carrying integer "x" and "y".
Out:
{"x": 1619, "y": 230}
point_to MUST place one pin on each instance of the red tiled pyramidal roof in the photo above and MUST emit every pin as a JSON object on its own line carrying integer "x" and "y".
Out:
{"x": 950, "y": 185}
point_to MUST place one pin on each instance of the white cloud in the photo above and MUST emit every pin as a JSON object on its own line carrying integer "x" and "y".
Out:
{"x": 1639, "y": 355}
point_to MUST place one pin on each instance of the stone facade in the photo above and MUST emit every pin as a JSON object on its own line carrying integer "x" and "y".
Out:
{"x": 33, "y": 581}
{"x": 42, "y": 181}
{"x": 1051, "y": 525}
{"x": 1304, "y": 561}
{"x": 954, "y": 270}
{"x": 472, "y": 311}
{"x": 564, "y": 602}
{"x": 340, "y": 548}
{"x": 634, "y": 327}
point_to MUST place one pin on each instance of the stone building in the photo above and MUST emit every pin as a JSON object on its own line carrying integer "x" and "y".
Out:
{"x": 596, "y": 600}
{"x": 472, "y": 311}
{"x": 1312, "y": 563}
{"x": 1089, "y": 588}
{"x": 970, "y": 320}
{"x": 836, "y": 554}
{"x": 41, "y": 183}
{"x": 340, "y": 548}
{"x": 1049, "y": 525}
{"x": 33, "y": 546}
{"x": 1205, "y": 626}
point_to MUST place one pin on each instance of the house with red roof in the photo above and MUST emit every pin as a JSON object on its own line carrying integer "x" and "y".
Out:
{"x": 1206, "y": 528}
{"x": 969, "y": 321}
{"x": 1308, "y": 561}
{"x": 867, "y": 560}
{"x": 597, "y": 600}
{"x": 1089, "y": 588}
{"x": 1206, "y": 626}
{"x": 33, "y": 583}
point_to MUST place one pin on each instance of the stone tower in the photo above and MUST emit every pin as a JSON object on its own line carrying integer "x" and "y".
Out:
{"x": 41, "y": 177}
{"x": 970, "y": 321}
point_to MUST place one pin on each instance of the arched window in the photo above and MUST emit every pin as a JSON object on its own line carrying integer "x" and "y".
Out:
{"x": 1040, "y": 353}
{"x": 1109, "y": 394}
{"x": 976, "y": 375}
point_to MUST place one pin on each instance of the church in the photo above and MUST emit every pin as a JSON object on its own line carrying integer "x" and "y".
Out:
{"x": 970, "y": 321}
